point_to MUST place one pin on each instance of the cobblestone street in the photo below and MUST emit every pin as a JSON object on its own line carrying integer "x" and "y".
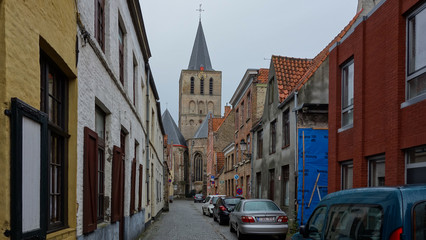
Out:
{"x": 186, "y": 221}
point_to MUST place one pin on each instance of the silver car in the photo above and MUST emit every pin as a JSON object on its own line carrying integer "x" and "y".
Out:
{"x": 258, "y": 216}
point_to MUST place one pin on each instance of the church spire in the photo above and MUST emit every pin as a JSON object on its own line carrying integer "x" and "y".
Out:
{"x": 200, "y": 54}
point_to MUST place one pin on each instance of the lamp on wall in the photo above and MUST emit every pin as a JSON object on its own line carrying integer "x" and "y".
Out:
{"x": 244, "y": 150}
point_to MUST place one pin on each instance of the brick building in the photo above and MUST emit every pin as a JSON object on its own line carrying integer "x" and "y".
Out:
{"x": 247, "y": 102}
{"x": 377, "y": 111}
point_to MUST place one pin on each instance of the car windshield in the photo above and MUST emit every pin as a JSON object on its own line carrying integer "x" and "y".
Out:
{"x": 232, "y": 201}
{"x": 199, "y": 195}
{"x": 208, "y": 198}
{"x": 214, "y": 200}
{"x": 260, "y": 206}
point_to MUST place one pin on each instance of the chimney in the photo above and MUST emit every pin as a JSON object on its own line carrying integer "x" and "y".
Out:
{"x": 366, "y": 6}
{"x": 227, "y": 110}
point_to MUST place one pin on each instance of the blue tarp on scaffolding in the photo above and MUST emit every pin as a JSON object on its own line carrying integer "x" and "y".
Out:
{"x": 316, "y": 163}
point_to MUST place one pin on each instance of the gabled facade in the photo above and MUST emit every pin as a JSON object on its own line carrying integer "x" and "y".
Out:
{"x": 247, "y": 102}
{"x": 38, "y": 133}
{"x": 219, "y": 135}
{"x": 120, "y": 152}
{"x": 377, "y": 99}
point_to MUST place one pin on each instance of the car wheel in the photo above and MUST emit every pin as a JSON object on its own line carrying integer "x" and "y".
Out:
{"x": 210, "y": 214}
{"x": 239, "y": 234}
{"x": 231, "y": 229}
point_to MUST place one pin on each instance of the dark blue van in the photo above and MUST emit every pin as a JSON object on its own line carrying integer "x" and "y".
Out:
{"x": 375, "y": 213}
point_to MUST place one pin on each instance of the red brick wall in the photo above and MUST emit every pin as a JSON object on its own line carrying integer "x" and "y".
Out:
{"x": 380, "y": 125}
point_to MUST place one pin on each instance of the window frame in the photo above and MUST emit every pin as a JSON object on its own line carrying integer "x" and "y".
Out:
{"x": 121, "y": 49}
{"x": 100, "y": 23}
{"x": 58, "y": 129}
{"x": 347, "y": 164}
{"x": 259, "y": 143}
{"x": 273, "y": 137}
{"x": 286, "y": 128}
{"x": 409, "y": 165}
{"x": 421, "y": 72}
{"x": 375, "y": 159}
{"x": 202, "y": 86}
{"x": 350, "y": 106}
{"x": 211, "y": 86}
{"x": 191, "y": 90}
{"x": 101, "y": 168}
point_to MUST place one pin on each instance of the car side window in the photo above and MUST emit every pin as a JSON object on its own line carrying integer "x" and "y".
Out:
{"x": 419, "y": 219}
{"x": 316, "y": 223}
{"x": 238, "y": 207}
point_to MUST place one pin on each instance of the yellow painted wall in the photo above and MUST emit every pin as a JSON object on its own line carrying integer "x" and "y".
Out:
{"x": 25, "y": 27}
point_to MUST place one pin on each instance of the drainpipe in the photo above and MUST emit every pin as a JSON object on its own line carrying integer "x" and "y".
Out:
{"x": 296, "y": 152}
{"x": 148, "y": 71}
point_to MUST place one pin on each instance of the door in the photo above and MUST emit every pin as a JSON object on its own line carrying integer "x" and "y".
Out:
{"x": 118, "y": 189}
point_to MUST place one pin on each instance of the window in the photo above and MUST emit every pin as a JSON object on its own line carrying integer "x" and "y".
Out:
{"x": 247, "y": 190}
{"x": 416, "y": 165}
{"x": 347, "y": 93}
{"x": 316, "y": 223}
{"x": 211, "y": 86}
{"x": 237, "y": 118}
{"x": 285, "y": 186}
{"x": 135, "y": 67}
{"x": 53, "y": 91}
{"x": 286, "y": 128}
{"x": 419, "y": 220}
{"x": 347, "y": 175}
{"x": 100, "y": 131}
{"x": 350, "y": 221}
{"x": 248, "y": 106}
{"x": 242, "y": 114}
{"x": 273, "y": 137}
{"x": 376, "y": 171}
{"x": 271, "y": 91}
{"x": 198, "y": 167}
{"x": 192, "y": 85}
{"x": 100, "y": 23}
{"x": 232, "y": 159}
{"x": 121, "y": 52}
{"x": 248, "y": 143}
{"x": 140, "y": 186}
{"x": 202, "y": 86}
{"x": 416, "y": 59}
{"x": 271, "y": 184}
{"x": 133, "y": 182}
{"x": 259, "y": 144}
{"x": 259, "y": 185}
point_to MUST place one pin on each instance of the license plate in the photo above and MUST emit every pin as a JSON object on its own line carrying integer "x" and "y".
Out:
{"x": 266, "y": 219}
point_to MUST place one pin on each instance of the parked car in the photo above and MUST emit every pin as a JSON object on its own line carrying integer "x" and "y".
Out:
{"x": 369, "y": 213}
{"x": 223, "y": 207}
{"x": 199, "y": 197}
{"x": 259, "y": 217}
{"x": 207, "y": 207}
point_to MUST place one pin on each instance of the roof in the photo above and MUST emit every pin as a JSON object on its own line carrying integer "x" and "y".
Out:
{"x": 200, "y": 54}
{"x": 203, "y": 130}
{"x": 172, "y": 130}
{"x": 262, "y": 76}
{"x": 322, "y": 56}
{"x": 288, "y": 72}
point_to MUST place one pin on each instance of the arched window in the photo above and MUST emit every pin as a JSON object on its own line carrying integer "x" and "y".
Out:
{"x": 192, "y": 85}
{"x": 202, "y": 86}
{"x": 211, "y": 86}
{"x": 198, "y": 167}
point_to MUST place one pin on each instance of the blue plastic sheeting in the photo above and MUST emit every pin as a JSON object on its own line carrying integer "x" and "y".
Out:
{"x": 316, "y": 162}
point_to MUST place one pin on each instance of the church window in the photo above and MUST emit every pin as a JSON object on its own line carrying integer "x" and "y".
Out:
{"x": 202, "y": 86}
{"x": 198, "y": 171}
{"x": 192, "y": 85}
{"x": 211, "y": 86}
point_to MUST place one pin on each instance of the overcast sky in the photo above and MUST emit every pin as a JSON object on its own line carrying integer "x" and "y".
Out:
{"x": 240, "y": 34}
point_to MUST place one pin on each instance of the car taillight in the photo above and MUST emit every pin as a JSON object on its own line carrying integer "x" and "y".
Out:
{"x": 282, "y": 219}
{"x": 247, "y": 219}
{"x": 396, "y": 235}
{"x": 222, "y": 208}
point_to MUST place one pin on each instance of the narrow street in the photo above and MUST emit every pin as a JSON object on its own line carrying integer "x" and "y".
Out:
{"x": 186, "y": 221}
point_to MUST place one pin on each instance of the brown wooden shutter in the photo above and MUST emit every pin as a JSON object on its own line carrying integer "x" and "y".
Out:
{"x": 117, "y": 184}
{"x": 133, "y": 188}
{"x": 140, "y": 186}
{"x": 90, "y": 180}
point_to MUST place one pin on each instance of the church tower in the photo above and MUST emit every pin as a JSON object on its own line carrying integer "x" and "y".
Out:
{"x": 200, "y": 88}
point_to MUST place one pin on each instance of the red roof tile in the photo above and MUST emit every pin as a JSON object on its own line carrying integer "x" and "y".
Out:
{"x": 262, "y": 75}
{"x": 288, "y": 72}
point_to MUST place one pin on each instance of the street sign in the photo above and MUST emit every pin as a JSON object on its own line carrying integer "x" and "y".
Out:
{"x": 212, "y": 177}
{"x": 239, "y": 191}
{"x": 212, "y": 182}
{"x": 170, "y": 180}
{"x": 236, "y": 177}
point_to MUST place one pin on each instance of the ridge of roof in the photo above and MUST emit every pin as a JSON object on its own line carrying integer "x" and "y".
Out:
{"x": 202, "y": 131}
{"x": 288, "y": 71}
{"x": 320, "y": 57}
